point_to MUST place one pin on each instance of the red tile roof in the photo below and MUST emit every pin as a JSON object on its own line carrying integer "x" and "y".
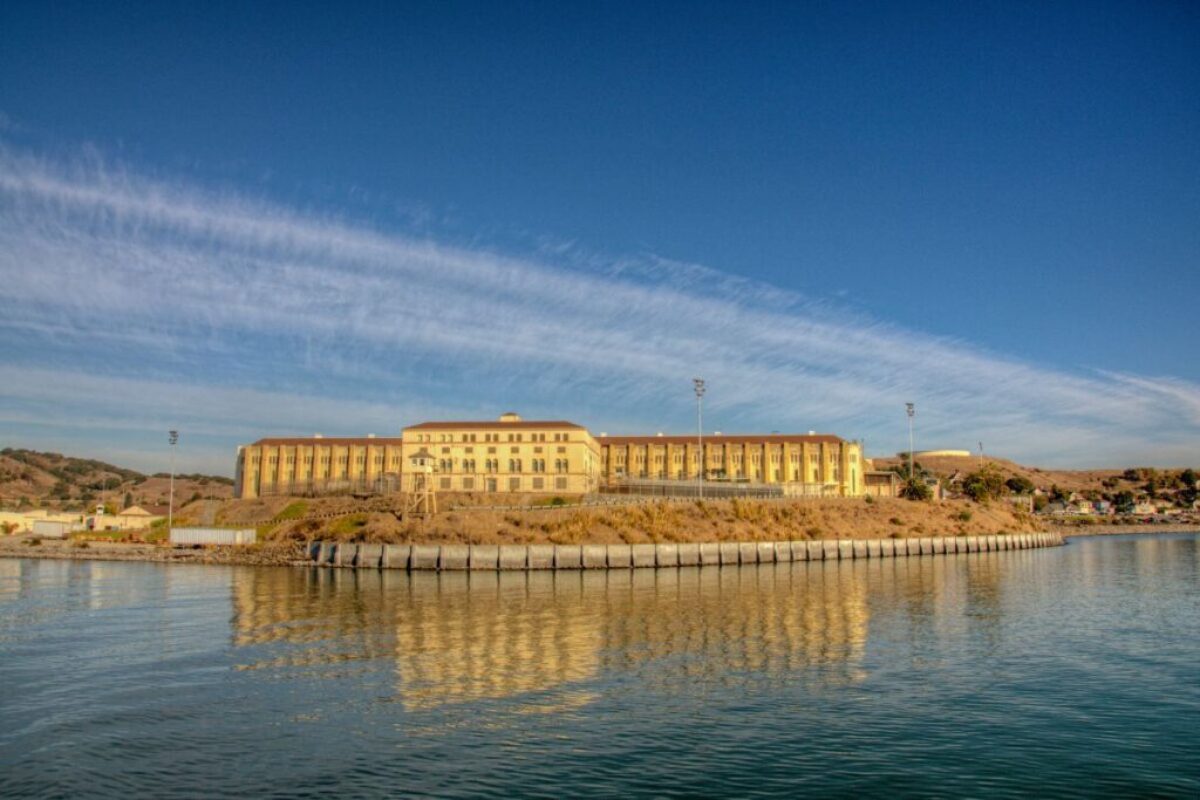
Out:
{"x": 739, "y": 438}
{"x": 525, "y": 424}
{"x": 302, "y": 441}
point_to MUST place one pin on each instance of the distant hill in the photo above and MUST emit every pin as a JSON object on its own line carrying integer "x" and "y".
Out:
{"x": 29, "y": 478}
{"x": 1095, "y": 484}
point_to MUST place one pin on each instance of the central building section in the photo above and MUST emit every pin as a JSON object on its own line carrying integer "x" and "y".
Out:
{"x": 508, "y": 455}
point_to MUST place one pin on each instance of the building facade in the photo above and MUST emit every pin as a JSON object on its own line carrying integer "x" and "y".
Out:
{"x": 513, "y": 455}
{"x": 803, "y": 464}
{"x": 506, "y": 455}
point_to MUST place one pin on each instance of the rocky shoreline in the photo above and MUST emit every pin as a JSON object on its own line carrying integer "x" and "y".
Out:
{"x": 263, "y": 555}
{"x": 294, "y": 553}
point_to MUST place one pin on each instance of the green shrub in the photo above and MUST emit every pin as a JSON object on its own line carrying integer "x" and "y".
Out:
{"x": 964, "y": 515}
{"x": 292, "y": 511}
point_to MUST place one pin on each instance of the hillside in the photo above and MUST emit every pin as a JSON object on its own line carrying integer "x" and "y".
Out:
{"x": 29, "y": 478}
{"x": 282, "y": 519}
{"x": 1095, "y": 484}
{"x": 1068, "y": 480}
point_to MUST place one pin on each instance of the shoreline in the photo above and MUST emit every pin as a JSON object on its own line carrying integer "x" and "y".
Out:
{"x": 297, "y": 554}
{"x": 1121, "y": 530}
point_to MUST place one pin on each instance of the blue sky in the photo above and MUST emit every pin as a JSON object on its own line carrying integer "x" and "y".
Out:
{"x": 292, "y": 218}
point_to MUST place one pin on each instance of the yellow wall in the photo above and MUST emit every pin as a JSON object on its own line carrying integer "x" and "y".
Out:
{"x": 513, "y": 455}
{"x": 508, "y": 456}
{"x": 811, "y": 465}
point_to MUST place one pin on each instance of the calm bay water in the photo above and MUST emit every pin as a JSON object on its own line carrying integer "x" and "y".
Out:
{"x": 1072, "y": 671}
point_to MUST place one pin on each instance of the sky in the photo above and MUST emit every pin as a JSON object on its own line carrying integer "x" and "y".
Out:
{"x": 242, "y": 220}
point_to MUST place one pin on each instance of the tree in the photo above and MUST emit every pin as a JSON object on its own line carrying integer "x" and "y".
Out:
{"x": 1188, "y": 476}
{"x": 128, "y": 501}
{"x": 985, "y": 484}
{"x": 1020, "y": 485}
{"x": 1123, "y": 500}
{"x": 916, "y": 489}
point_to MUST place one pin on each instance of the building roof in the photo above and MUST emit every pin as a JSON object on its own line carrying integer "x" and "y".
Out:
{"x": 516, "y": 425}
{"x": 724, "y": 438}
{"x": 134, "y": 511}
{"x": 338, "y": 441}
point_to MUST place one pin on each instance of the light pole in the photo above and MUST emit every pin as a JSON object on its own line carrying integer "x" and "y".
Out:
{"x": 698, "y": 385}
{"x": 911, "y": 410}
{"x": 172, "y": 440}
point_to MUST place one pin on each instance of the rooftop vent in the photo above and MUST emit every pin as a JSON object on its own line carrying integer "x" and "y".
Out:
{"x": 370, "y": 436}
{"x": 318, "y": 436}
{"x": 812, "y": 433}
{"x": 660, "y": 433}
{"x": 510, "y": 416}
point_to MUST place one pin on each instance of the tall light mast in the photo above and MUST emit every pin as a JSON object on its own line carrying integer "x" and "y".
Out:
{"x": 699, "y": 387}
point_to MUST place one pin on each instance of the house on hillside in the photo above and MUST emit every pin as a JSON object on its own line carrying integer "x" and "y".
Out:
{"x": 134, "y": 518}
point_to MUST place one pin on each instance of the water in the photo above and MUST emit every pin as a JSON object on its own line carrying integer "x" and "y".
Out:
{"x": 1067, "y": 671}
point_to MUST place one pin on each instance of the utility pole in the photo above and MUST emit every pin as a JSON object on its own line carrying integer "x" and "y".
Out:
{"x": 981, "y": 455}
{"x": 911, "y": 410}
{"x": 172, "y": 440}
{"x": 699, "y": 387}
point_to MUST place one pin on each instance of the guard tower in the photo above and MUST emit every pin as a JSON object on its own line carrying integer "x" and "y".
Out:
{"x": 422, "y": 500}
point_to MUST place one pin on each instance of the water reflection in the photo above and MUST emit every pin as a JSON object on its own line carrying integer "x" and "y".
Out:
{"x": 463, "y": 637}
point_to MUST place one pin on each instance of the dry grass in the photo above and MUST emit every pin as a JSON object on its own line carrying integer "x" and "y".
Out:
{"x": 696, "y": 521}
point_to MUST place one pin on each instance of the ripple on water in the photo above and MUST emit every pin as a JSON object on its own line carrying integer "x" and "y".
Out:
{"x": 1067, "y": 672}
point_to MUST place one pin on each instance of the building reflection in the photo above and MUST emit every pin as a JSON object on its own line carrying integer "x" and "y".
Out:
{"x": 460, "y": 637}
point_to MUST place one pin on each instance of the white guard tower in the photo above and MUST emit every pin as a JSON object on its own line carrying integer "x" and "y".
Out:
{"x": 422, "y": 500}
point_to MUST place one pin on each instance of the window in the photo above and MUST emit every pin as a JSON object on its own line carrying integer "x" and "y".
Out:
{"x": 491, "y": 450}
{"x": 560, "y": 483}
{"x": 468, "y": 484}
{"x": 514, "y": 449}
{"x": 514, "y": 484}
{"x": 444, "y": 483}
{"x": 468, "y": 465}
{"x": 537, "y": 449}
{"x": 561, "y": 449}
{"x": 514, "y": 465}
{"x": 539, "y": 484}
{"x": 470, "y": 449}
{"x": 445, "y": 449}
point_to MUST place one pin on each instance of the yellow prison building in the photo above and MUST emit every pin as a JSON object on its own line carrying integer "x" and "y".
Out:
{"x": 531, "y": 456}
{"x": 803, "y": 464}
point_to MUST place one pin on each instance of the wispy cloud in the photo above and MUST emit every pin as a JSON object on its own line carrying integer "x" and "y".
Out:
{"x": 148, "y": 283}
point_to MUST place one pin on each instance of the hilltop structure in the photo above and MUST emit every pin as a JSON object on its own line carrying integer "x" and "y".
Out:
{"x": 513, "y": 455}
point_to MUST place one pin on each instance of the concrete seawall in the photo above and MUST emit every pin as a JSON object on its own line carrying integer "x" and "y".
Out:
{"x": 659, "y": 556}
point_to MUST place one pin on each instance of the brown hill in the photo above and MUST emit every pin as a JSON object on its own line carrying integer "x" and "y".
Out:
{"x": 29, "y": 478}
{"x": 1068, "y": 480}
